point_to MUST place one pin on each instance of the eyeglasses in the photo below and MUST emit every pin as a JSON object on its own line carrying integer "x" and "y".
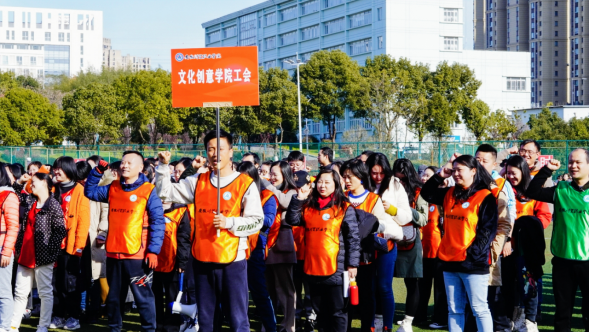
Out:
{"x": 527, "y": 152}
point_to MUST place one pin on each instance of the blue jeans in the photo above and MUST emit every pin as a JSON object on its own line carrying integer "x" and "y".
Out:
{"x": 6, "y": 299}
{"x": 258, "y": 291}
{"x": 463, "y": 287}
{"x": 385, "y": 303}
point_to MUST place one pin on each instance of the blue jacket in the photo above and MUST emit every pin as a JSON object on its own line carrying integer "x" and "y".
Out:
{"x": 155, "y": 211}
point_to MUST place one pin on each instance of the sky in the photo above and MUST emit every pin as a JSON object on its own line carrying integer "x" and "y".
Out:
{"x": 149, "y": 27}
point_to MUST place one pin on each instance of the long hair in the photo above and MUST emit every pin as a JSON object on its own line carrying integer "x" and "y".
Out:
{"x": 381, "y": 160}
{"x": 68, "y": 166}
{"x": 45, "y": 178}
{"x": 4, "y": 177}
{"x": 339, "y": 197}
{"x": 17, "y": 170}
{"x": 481, "y": 180}
{"x": 411, "y": 181}
{"x": 359, "y": 170}
{"x": 520, "y": 163}
{"x": 288, "y": 181}
{"x": 249, "y": 169}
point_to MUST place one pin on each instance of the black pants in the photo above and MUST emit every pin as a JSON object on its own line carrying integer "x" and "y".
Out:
{"x": 68, "y": 286}
{"x": 123, "y": 274}
{"x": 166, "y": 288}
{"x": 413, "y": 296}
{"x": 330, "y": 306}
{"x": 365, "y": 310}
{"x": 567, "y": 277}
{"x": 432, "y": 273}
{"x": 303, "y": 303}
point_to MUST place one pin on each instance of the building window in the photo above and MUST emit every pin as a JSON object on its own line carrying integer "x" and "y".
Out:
{"x": 48, "y": 36}
{"x": 451, "y": 15}
{"x": 556, "y": 23}
{"x": 310, "y": 32}
{"x": 380, "y": 42}
{"x": 81, "y": 50}
{"x": 270, "y": 19}
{"x": 556, "y": 73}
{"x": 5, "y": 59}
{"x": 81, "y": 38}
{"x": 32, "y": 35}
{"x": 80, "y": 22}
{"x": 19, "y": 60}
{"x": 68, "y": 37}
{"x": 12, "y": 34}
{"x": 248, "y": 30}
{"x": 230, "y": 31}
{"x": 556, "y": 62}
{"x": 451, "y": 44}
{"x": 332, "y": 3}
{"x": 288, "y": 38}
{"x": 361, "y": 46}
{"x": 33, "y": 61}
{"x": 555, "y": 33}
{"x": 57, "y": 59}
{"x": 516, "y": 84}
{"x": 310, "y": 7}
{"x": 11, "y": 19}
{"x": 556, "y": 13}
{"x": 306, "y": 56}
{"x": 380, "y": 14}
{"x": 60, "y": 37}
{"x": 556, "y": 43}
{"x": 334, "y": 48}
{"x": 556, "y": 83}
{"x": 67, "y": 21}
{"x": 288, "y": 13}
{"x": 556, "y": 93}
{"x": 214, "y": 36}
{"x": 25, "y": 35}
{"x": 39, "y": 20}
{"x": 270, "y": 43}
{"x": 285, "y": 65}
{"x": 269, "y": 64}
{"x": 81, "y": 62}
{"x": 333, "y": 26}
{"x": 360, "y": 19}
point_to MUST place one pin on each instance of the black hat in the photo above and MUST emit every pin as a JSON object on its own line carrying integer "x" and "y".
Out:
{"x": 301, "y": 178}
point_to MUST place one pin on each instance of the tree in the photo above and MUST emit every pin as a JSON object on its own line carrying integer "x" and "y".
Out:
{"x": 500, "y": 126}
{"x": 27, "y": 118}
{"x": 332, "y": 82}
{"x": 27, "y": 82}
{"x": 65, "y": 83}
{"x": 549, "y": 126}
{"x": 278, "y": 101}
{"x": 476, "y": 117}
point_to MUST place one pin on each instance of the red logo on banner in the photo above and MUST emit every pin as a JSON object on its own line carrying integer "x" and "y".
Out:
{"x": 544, "y": 160}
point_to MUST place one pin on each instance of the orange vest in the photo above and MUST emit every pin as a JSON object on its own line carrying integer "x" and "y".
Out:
{"x": 500, "y": 182}
{"x": 322, "y": 239}
{"x": 273, "y": 233}
{"x": 191, "y": 214}
{"x": 265, "y": 195}
{"x": 369, "y": 203}
{"x": 128, "y": 221}
{"x": 460, "y": 225}
{"x": 207, "y": 247}
{"x": 299, "y": 239}
{"x": 431, "y": 235}
{"x": 167, "y": 256}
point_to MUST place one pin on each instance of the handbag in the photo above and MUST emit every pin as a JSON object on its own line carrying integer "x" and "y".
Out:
{"x": 410, "y": 233}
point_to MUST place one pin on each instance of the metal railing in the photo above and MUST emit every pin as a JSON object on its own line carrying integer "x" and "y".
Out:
{"x": 420, "y": 153}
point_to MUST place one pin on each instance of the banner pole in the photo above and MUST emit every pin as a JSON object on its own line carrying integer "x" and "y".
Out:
{"x": 218, "y": 170}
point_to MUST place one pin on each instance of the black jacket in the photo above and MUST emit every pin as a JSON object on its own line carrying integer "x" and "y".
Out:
{"x": 50, "y": 230}
{"x": 368, "y": 225}
{"x": 529, "y": 242}
{"x": 478, "y": 254}
{"x": 183, "y": 239}
{"x": 350, "y": 247}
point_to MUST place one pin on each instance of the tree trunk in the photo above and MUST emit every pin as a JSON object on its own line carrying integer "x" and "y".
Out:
{"x": 333, "y": 134}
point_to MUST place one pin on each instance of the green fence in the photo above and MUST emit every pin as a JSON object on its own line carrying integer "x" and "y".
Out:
{"x": 421, "y": 153}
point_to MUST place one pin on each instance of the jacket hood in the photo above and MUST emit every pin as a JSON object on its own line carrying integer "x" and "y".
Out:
{"x": 140, "y": 180}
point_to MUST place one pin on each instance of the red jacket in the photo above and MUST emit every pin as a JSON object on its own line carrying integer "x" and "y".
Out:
{"x": 9, "y": 208}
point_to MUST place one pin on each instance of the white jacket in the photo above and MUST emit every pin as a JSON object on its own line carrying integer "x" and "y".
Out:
{"x": 396, "y": 196}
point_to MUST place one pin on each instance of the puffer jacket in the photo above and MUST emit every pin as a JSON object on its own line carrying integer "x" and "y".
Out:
{"x": 9, "y": 223}
{"x": 99, "y": 226}
{"x": 350, "y": 246}
{"x": 50, "y": 230}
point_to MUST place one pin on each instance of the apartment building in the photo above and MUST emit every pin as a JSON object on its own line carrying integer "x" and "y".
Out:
{"x": 113, "y": 59}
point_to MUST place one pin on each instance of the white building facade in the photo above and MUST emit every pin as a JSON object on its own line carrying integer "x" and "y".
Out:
{"x": 38, "y": 42}
{"x": 427, "y": 31}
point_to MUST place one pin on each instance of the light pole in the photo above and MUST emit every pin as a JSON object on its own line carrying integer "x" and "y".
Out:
{"x": 298, "y": 63}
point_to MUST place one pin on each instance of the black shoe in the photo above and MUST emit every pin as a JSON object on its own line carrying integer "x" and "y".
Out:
{"x": 310, "y": 325}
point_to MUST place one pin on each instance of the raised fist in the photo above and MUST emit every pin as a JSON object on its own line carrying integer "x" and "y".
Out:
{"x": 454, "y": 156}
{"x": 554, "y": 165}
{"x": 102, "y": 166}
{"x": 513, "y": 150}
{"x": 24, "y": 179}
{"x": 164, "y": 157}
{"x": 446, "y": 172}
{"x": 199, "y": 162}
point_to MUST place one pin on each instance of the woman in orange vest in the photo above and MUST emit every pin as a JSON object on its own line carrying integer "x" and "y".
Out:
{"x": 173, "y": 260}
{"x": 431, "y": 237}
{"x": 409, "y": 251}
{"x": 471, "y": 221}
{"x": 332, "y": 246}
{"x": 257, "y": 246}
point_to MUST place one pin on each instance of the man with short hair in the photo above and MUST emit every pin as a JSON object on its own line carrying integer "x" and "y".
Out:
{"x": 325, "y": 157}
{"x": 251, "y": 157}
{"x": 571, "y": 230}
{"x": 220, "y": 241}
{"x": 296, "y": 160}
{"x": 134, "y": 241}
{"x": 530, "y": 150}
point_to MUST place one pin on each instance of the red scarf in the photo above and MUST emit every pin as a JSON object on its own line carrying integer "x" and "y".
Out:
{"x": 324, "y": 201}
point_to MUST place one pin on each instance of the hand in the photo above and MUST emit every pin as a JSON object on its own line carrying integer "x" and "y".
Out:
{"x": 446, "y": 172}
{"x": 151, "y": 260}
{"x": 102, "y": 166}
{"x": 308, "y": 169}
{"x": 180, "y": 270}
{"x": 554, "y": 165}
{"x": 164, "y": 157}
{"x": 24, "y": 179}
{"x": 386, "y": 205}
{"x": 100, "y": 242}
{"x": 453, "y": 157}
{"x": 303, "y": 192}
{"x": 513, "y": 150}
{"x": 4, "y": 261}
{"x": 219, "y": 220}
{"x": 507, "y": 250}
{"x": 199, "y": 162}
{"x": 352, "y": 272}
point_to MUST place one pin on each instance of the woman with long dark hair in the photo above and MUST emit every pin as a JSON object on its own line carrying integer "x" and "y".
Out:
{"x": 256, "y": 266}
{"x": 471, "y": 221}
{"x": 395, "y": 202}
{"x": 409, "y": 251}
{"x": 38, "y": 243}
{"x": 332, "y": 245}
{"x": 281, "y": 259}
{"x": 76, "y": 209}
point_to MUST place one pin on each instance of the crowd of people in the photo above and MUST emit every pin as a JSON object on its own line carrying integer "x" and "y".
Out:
{"x": 89, "y": 238}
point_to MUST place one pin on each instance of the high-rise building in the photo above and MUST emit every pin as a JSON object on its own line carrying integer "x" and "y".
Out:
{"x": 39, "y": 41}
{"x": 114, "y": 60}
{"x": 426, "y": 31}
{"x": 555, "y": 32}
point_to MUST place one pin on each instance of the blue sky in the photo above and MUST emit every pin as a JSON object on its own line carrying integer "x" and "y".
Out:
{"x": 149, "y": 27}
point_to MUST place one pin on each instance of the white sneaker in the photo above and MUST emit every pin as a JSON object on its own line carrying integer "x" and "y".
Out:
{"x": 41, "y": 329}
{"x": 530, "y": 327}
{"x": 378, "y": 323}
{"x": 57, "y": 323}
{"x": 27, "y": 314}
{"x": 436, "y": 326}
{"x": 72, "y": 324}
{"x": 405, "y": 327}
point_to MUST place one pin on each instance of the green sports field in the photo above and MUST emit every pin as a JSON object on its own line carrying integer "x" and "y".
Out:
{"x": 131, "y": 321}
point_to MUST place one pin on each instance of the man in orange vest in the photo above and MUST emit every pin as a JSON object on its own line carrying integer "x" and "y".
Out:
{"x": 220, "y": 241}
{"x": 136, "y": 233}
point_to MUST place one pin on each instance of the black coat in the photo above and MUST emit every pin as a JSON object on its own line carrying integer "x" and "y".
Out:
{"x": 529, "y": 242}
{"x": 350, "y": 246}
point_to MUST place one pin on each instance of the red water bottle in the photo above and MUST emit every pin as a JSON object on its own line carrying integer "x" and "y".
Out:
{"x": 354, "y": 293}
